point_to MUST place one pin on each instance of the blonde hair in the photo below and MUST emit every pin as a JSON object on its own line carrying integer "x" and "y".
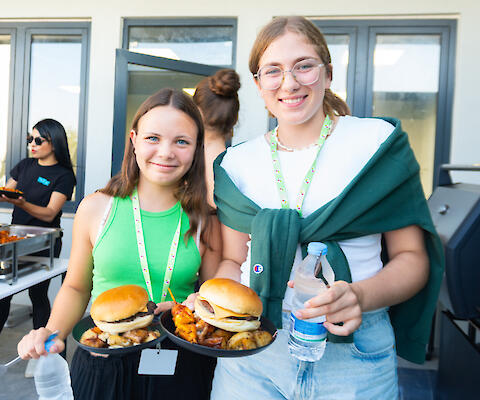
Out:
{"x": 332, "y": 104}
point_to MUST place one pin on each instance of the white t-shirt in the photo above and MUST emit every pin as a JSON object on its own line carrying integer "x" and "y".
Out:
{"x": 344, "y": 154}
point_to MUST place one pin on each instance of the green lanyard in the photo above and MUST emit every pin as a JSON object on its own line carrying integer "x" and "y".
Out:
{"x": 280, "y": 181}
{"x": 143, "y": 255}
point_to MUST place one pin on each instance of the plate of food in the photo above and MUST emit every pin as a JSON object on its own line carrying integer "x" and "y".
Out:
{"x": 121, "y": 321}
{"x": 10, "y": 193}
{"x": 226, "y": 321}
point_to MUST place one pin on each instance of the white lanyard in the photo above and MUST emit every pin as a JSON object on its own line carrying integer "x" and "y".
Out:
{"x": 143, "y": 255}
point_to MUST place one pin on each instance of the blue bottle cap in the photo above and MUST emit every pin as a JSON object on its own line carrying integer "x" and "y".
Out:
{"x": 317, "y": 248}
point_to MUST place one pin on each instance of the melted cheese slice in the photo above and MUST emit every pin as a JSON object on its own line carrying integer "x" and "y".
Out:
{"x": 221, "y": 312}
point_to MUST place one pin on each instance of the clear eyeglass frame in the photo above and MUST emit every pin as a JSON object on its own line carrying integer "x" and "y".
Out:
{"x": 316, "y": 64}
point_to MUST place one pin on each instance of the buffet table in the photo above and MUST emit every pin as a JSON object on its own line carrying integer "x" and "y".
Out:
{"x": 34, "y": 276}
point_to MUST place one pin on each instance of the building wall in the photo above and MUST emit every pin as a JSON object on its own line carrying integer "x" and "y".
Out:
{"x": 106, "y": 35}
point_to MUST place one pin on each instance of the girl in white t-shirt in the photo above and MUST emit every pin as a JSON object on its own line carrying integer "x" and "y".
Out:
{"x": 292, "y": 69}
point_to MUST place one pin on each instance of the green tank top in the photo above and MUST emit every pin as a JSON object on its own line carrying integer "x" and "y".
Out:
{"x": 115, "y": 255}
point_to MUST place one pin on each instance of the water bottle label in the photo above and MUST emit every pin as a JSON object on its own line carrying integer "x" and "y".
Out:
{"x": 307, "y": 331}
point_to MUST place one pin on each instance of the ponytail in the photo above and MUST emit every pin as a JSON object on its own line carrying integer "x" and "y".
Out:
{"x": 334, "y": 105}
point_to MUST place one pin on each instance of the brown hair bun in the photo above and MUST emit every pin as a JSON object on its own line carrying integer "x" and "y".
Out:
{"x": 225, "y": 82}
{"x": 217, "y": 98}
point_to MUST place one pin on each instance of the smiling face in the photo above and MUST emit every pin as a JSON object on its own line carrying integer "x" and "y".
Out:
{"x": 293, "y": 103}
{"x": 164, "y": 145}
{"x": 42, "y": 151}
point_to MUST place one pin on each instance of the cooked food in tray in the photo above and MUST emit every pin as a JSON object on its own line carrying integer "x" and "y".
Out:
{"x": 226, "y": 316}
{"x": 122, "y": 316}
{"x": 5, "y": 237}
{"x": 12, "y": 193}
{"x": 10, "y": 190}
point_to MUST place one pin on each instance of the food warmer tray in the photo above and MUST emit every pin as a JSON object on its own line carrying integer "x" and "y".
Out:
{"x": 35, "y": 238}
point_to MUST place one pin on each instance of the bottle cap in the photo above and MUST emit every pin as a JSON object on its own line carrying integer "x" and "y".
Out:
{"x": 317, "y": 248}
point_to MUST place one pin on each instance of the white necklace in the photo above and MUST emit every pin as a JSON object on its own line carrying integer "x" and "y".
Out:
{"x": 282, "y": 146}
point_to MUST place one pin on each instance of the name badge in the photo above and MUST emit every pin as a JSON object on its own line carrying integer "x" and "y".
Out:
{"x": 43, "y": 181}
{"x": 157, "y": 362}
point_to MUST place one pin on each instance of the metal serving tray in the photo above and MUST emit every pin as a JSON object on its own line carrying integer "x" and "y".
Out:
{"x": 36, "y": 238}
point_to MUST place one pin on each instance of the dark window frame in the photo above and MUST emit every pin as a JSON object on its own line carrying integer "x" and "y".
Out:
{"x": 21, "y": 34}
{"x": 123, "y": 59}
{"x": 360, "y": 68}
{"x": 201, "y": 21}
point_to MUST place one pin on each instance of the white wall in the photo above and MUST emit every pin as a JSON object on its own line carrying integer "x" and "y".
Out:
{"x": 106, "y": 29}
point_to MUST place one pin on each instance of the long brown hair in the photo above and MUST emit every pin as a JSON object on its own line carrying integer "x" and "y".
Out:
{"x": 332, "y": 104}
{"x": 217, "y": 98}
{"x": 191, "y": 190}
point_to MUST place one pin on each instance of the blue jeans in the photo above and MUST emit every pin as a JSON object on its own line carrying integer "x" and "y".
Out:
{"x": 365, "y": 369}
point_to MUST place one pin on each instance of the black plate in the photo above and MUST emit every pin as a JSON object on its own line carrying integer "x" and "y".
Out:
{"x": 87, "y": 323}
{"x": 11, "y": 195}
{"x": 167, "y": 324}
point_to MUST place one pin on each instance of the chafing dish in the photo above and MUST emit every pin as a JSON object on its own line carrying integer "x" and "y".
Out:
{"x": 33, "y": 239}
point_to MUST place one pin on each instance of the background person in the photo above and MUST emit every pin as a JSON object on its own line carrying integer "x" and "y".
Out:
{"x": 324, "y": 176}
{"x": 47, "y": 181}
{"x": 217, "y": 98}
{"x": 162, "y": 175}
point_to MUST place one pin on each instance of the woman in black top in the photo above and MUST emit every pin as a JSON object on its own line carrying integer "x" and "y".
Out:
{"x": 47, "y": 181}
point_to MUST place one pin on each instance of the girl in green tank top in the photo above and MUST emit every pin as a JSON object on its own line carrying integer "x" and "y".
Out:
{"x": 112, "y": 268}
{"x": 150, "y": 226}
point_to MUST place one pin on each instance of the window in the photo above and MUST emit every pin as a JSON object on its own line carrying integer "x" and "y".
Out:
{"x": 5, "y": 61}
{"x": 43, "y": 74}
{"x": 158, "y": 53}
{"x": 208, "y": 41}
{"x": 402, "y": 69}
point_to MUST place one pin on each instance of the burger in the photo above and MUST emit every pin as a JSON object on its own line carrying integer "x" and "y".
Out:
{"x": 228, "y": 305}
{"x": 122, "y": 309}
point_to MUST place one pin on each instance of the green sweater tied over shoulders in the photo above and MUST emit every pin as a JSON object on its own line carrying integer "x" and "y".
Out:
{"x": 384, "y": 196}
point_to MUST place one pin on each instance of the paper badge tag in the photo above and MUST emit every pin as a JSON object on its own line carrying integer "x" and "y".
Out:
{"x": 157, "y": 362}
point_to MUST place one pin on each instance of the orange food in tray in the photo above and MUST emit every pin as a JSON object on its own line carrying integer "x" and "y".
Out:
{"x": 10, "y": 190}
{"x": 5, "y": 237}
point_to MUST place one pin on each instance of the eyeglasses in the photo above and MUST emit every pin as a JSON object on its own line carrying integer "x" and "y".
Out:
{"x": 38, "y": 140}
{"x": 305, "y": 72}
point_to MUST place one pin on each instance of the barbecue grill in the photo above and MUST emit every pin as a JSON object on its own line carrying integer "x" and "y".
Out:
{"x": 455, "y": 209}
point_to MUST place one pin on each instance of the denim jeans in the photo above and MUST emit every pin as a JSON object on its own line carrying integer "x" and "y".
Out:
{"x": 365, "y": 369}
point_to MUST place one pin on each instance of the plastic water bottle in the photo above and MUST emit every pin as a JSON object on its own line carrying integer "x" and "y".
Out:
{"x": 308, "y": 337}
{"x": 52, "y": 378}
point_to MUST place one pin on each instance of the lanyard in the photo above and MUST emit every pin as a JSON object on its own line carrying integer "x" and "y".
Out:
{"x": 143, "y": 255}
{"x": 279, "y": 179}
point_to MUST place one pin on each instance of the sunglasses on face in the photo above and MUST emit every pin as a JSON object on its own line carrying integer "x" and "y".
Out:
{"x": 38, "y": 140}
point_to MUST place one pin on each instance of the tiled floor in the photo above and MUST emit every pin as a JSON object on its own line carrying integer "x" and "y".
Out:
{"x": 416, "y": 382}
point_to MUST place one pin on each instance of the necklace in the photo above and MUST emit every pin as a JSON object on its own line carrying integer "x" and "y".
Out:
{"x": 282, "y": 146}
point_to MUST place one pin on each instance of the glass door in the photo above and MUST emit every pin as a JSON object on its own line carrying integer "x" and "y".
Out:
{"x": 138, "y": 76}
{"x": 405, "y": 85}
{"x": 5, "y": 90}
{"x": 402, "y": 69}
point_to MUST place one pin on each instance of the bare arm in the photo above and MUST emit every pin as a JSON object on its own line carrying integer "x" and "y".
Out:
{"x": 402, "y": 277}
{"x": 234, "y": 253}
{"x": 48, "y": 213}
{"x": 73, "y": 297}
{"x": 211, "y": 251}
